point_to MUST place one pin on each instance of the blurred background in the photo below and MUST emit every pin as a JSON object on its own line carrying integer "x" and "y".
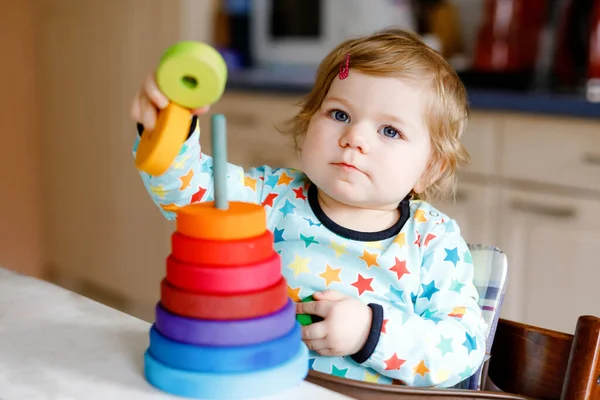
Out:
{"x": 73, "y": 209}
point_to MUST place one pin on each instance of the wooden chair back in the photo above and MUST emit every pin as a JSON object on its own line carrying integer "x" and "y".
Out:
{"x": 546, "y": 364}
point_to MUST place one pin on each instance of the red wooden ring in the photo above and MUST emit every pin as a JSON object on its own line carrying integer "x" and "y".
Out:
{"x": 224, "y": 306}
{"x": 218, "y": 279}
{"x": 222, "y": 252}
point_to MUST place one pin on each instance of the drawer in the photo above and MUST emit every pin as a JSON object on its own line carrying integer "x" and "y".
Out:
{"x": 559, "y": 151}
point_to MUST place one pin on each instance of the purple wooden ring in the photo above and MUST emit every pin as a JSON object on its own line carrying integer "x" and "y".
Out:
{"x": 226, "y": 333}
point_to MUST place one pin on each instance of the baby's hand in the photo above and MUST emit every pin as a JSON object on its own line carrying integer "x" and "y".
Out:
{"x": 149, "y": 100}
{"x": 345, "y": 327}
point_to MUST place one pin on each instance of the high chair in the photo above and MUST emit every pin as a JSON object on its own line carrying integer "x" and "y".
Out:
{"x": 490, "y": 272}
{"x": 547, "y": 364}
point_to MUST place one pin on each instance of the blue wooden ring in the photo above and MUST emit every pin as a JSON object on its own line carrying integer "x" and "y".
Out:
{"x": 224, "y": 359}
{"x": 201, "y": 385}
{"x": 237, "y": 332}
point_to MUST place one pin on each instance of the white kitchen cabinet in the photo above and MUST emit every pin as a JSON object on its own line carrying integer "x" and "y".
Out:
{"x": 553, "y": 244}
{"x": 532, "y": 188}
{"x": 102, "y": 234}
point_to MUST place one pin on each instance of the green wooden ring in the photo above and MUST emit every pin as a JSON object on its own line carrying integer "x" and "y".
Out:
{"x": 192, "y": 74}
{"x": 307, "y": 319}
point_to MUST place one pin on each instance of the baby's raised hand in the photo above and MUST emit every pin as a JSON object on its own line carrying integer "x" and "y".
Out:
{"x": 149, "y": 100}
{"x": 345, "y": 328}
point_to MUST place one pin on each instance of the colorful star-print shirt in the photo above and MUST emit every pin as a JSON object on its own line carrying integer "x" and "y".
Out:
{"x": 416, "y": 276}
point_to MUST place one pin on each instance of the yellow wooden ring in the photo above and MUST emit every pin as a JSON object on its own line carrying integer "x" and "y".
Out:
{"x": 204, "y": 221}
{"x": 192, "y": 74}
{"x": 158, "y": 148}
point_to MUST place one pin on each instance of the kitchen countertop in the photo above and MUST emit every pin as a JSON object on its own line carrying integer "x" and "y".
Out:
{"x": 55, "y": 344}
{"x": 299, "y": 81}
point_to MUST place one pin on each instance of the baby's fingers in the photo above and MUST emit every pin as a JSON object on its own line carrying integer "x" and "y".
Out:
{"x": 136, "y": 111}
{"x": 148, "y": 113}
{"x": 153, "y": 92}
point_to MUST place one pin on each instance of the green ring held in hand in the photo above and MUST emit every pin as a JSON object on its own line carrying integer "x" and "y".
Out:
{"x": 307, "y": 319}
{"x": 192, "y": 74}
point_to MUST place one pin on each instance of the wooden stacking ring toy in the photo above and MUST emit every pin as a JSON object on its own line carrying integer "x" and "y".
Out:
{"x": 191, "y": 75}
{"x": 222, "y": 252}
{"x": 231, "y": 386}
{"x": 238, "y": 332}
{"x": 224, "y": 307}
{"x": 307, "y": 319}
{"x": 225, "y": 359}
{"x": 220, "y": 279}
{"x": 158, "y": 148}
{"x": 205, "y": 221}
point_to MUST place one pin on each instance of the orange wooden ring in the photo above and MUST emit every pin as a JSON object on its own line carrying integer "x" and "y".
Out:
{"x": 204, "y": 221}
{"x": 213, "y": 306}
{"x": 222, "y": 252}
{"x": 158, "y": 148}
{"x": 204, "y": 278}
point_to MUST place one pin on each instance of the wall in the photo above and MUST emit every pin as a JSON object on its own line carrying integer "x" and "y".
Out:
{"x": 20, "y": 194}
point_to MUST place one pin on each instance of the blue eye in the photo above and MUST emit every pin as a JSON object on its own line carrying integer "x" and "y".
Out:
{"x": 390, "y": 132}
{"x": 339, "y": 116}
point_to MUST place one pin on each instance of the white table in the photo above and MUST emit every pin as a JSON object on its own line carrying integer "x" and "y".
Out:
{"x": 55, "y": 344}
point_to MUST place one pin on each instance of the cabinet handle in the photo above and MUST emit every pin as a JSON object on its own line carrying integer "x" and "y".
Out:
{"x": 591, "y": 159}
{"x": 245, "y": 120}
{"x": 543, "y": 209}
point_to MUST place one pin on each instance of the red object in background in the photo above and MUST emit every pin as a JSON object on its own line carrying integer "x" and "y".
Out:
{"x": 509, "y": 35}
{"x": 577, "y": 56}
{"x": 594, "y": 48}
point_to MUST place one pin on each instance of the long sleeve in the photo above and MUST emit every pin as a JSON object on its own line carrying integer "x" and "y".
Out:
{"x": 442, "y": 342}
{"x": 189, "y": 179}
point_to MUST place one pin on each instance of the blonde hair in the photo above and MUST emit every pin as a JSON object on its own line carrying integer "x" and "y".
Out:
{"x": 394, "y": 52}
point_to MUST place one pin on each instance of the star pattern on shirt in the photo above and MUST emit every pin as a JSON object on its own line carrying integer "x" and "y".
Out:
{"x": 288, "y": 208}
{"x": 419, "y": 216}
{"x": 299, "y": 193}
{"x": 330, "y": 275}
{"x": 400, "y": 239}
{"x": 186, "y": 180}
{"x": 399, "y": 268}
{"x": 250, "y": 182}
{"x": 369, "y": 258}
{"x": 284, "y": 179}
{"x": 393, "y": 362}
{"x": 420, "y": 368}
{"x": 363, "y": 284}
{"x": 411, "y": 274}
{"x": 299, "y": 265}
{"x": 197, "y": 197}
{"x": 338, "y": 248}
{"x": 293, "y": 293}
{"x": 308, "y": 240}
{"x": 268, "y": 201}
{"x": 278, "y": 235}
{"x": 452, "y": 256}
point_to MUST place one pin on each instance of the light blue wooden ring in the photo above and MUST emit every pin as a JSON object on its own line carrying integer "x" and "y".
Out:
{"x": 201, "y": 385}
{"x": 225, "y": 359}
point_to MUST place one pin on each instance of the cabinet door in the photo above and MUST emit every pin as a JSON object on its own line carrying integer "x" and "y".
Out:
{"x": 252, "y": 134}
{"x": 552, "y": 244}
{"x": 101, "y": 228}
{"x": 473, "y": 209}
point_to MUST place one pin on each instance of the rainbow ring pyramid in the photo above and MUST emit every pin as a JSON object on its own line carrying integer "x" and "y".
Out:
{"x": 225, "y": 327}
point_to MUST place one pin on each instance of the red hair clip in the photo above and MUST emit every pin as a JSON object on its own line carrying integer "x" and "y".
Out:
{"x": 345, "y": 67}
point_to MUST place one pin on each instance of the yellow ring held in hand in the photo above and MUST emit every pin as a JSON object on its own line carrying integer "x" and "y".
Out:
{"x": 204, "y": 221}
{"x": 192, "y": 74}
{"x": 158, "y": 148}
